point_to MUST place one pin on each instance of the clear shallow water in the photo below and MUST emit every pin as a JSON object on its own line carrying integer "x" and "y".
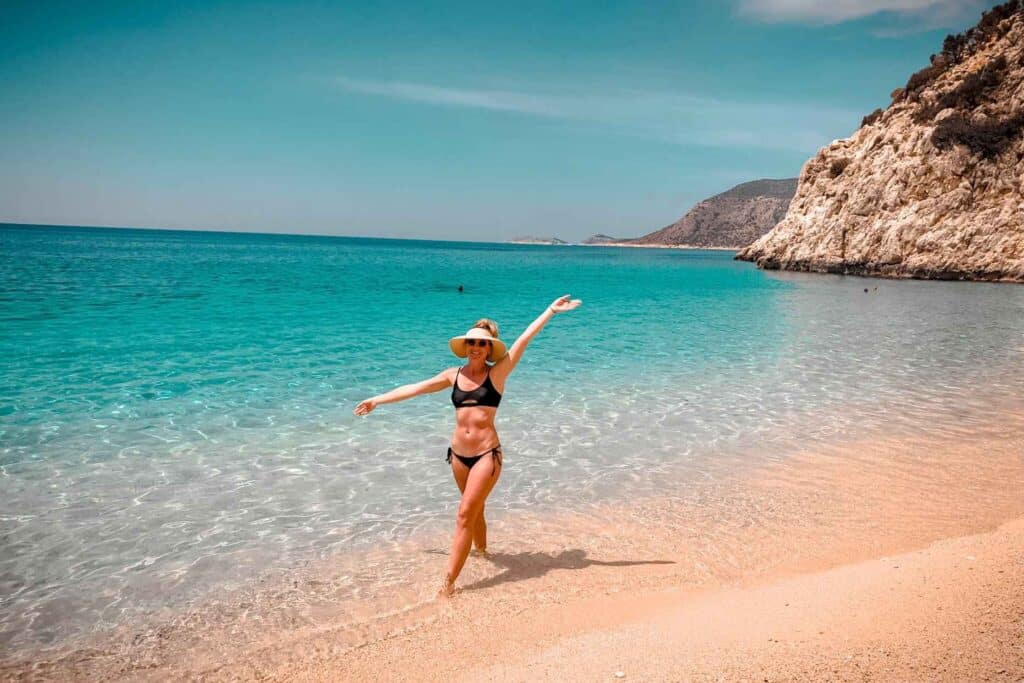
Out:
{"x": 175, "y": 407}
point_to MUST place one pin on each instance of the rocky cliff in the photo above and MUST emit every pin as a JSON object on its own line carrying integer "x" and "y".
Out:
{"x": 733, "y": 218}
{"x": 931, "y": 187}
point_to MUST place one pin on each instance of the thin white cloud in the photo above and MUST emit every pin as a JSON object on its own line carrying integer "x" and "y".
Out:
{"x": 670, "y": 117}
{"x": 932, "y": 13}
{"x": 497, "y": 100}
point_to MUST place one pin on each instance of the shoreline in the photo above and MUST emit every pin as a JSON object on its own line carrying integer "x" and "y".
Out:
{"x": 567, "y": 593}
{"x": 687, "y": 247}
{"x": 881, "y": 595}
{"x": 229, "y": 231}
{"x": 949, "y": 611}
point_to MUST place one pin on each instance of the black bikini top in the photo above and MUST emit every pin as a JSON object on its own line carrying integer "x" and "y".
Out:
{"x": 483, "y": 395}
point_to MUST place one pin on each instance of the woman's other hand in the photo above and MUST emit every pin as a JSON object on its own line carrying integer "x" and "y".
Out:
{"x": 564, "y": 304}
{"x": 365, "y": 407}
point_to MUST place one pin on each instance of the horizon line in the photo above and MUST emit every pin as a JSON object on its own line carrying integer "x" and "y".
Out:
{"x": 284, "y": 234}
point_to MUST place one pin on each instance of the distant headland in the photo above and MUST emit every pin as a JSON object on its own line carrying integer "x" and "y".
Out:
{"x": 727, "y": 221}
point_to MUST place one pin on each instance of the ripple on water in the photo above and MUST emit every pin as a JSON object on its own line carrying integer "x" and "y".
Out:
{"x": 215, "y": 443}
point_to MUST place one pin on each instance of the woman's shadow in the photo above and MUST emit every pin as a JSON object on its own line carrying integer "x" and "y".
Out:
{"x": 531, "y": 565}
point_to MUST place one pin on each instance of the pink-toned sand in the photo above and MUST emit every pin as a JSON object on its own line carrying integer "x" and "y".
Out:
{"x": 886, "y": 560}
{"x": 856, "y": 568}
{"x": 952, "y": 611}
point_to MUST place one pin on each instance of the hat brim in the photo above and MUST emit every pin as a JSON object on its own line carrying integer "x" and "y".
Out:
{"x": 498, "y": 348}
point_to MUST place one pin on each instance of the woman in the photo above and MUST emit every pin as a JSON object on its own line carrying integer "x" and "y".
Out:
{"x": 475, "y": 453}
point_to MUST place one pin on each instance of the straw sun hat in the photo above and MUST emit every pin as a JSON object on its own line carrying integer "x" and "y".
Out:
{"x": 458, "y": 344}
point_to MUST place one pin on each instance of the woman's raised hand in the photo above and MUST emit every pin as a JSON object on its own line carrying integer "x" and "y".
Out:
{"x": 365, "y": 407}
{"x": 564, "y": 304}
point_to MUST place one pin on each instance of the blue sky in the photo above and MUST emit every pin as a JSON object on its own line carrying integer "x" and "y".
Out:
{"x": 446, "y": 120}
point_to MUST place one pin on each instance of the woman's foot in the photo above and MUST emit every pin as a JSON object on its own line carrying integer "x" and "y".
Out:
{"x": 447, "y": 589}
{"x": 482, "y": 552}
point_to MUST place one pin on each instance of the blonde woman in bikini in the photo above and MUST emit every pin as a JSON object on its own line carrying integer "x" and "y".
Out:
{"x": 475, "y": 452}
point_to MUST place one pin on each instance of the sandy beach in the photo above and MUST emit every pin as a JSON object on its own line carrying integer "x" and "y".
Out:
{"x": 950, "y": 611}
{"x": 898, "y": 560}
{"x": 890, "y": 591}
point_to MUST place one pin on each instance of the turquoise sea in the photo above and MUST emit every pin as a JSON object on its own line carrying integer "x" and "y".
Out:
{"x": 176, "y": 407}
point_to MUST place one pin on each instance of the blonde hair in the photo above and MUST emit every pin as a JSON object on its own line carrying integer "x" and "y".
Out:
{"x": 489, "y": 325}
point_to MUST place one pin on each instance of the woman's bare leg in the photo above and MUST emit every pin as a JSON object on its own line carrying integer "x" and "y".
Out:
{"x": 480, "y": 531}
{"x": 461, "y": 474}
{"x": 479, "y": 482}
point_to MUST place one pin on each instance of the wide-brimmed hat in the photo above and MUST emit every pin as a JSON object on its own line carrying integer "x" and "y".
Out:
{"x": 458, "y": 344}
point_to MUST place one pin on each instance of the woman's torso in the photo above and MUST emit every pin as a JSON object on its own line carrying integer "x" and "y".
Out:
{"x": 474, "y": 423}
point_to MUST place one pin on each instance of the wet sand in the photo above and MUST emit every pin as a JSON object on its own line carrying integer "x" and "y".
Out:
{"x": 951, "y": 611}
{"x": 898, "y": 559}
{"x": 853, "y": 572}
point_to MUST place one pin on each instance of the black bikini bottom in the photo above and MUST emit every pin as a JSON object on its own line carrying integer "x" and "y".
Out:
{"x": 470, "y": 460}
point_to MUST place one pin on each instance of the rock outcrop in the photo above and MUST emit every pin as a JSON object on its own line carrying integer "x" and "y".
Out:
{"x": 731, "y": 219}
{"x": 932, "y": 187}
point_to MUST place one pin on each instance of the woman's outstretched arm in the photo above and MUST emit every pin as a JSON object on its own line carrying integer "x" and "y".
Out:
{"x": 562, "y": 304}
{"x": 427, "y": 386}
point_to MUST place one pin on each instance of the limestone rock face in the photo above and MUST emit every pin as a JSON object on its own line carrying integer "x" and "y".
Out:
{"x": 933, "y": 187}
{"x": 731, "y": 219}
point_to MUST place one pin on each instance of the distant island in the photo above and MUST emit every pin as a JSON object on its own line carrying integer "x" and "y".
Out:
{"x": 536, "y": 240}
{"x": 599, "y": 239}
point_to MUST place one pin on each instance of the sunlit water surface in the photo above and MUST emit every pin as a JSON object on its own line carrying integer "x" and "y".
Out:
{"x": 176, "y": 407}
